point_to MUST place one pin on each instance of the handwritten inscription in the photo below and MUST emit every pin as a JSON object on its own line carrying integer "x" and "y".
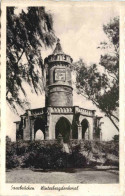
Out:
{"x": 22, "y": 187}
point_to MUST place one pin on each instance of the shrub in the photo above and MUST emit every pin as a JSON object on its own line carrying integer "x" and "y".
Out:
{"x": 45, "y": 156}
{"x": 116, "y": 138}
{"x": 12, "y": 161}
{"x": 49, "y": 154}
{"x": 77, "y": 160}
{"x": 11, "y": 157}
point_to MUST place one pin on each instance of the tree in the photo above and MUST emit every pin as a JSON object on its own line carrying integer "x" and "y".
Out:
{"x": 102, "y": 88}
{"x": 27, "y": 33}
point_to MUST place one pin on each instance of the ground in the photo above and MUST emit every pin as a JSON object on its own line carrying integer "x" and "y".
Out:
{"x": 57, "y": 177}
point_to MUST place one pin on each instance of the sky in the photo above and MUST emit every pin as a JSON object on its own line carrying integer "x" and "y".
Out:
{"x": 80, "y": 30}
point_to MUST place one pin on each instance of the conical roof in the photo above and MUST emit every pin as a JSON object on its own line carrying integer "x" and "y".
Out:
{"x": 58, "y": 55}
{"x": 58, "y": 48}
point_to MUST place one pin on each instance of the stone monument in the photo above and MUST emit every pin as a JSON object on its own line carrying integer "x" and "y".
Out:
{"x": 59, "y": 116}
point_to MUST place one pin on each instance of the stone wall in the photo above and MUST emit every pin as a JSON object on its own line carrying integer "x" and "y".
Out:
{"x": 60, "y": 96}
{"x": 59, "y": 85}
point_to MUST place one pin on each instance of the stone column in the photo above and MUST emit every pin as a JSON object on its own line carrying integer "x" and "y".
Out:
{"x": 32, "y": 129}
{"x": 23, "y": 121}
{"x": 91, "y": 130}
{"x": 47, "y": 127}
{"x": 17, "y": 129}
{"x": 94, "y": 128}
{"x": 87, "y": 134}
{"x": 70, "y": 133}
{"x": 26, "y": 130}
{"x": 79, "y": 132}
{"x": 100, "y": 126}
{"x": 100, "y": 135}
{"x": 46, "y": 132}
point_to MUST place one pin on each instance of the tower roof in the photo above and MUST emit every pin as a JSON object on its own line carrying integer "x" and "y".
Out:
{"x": 58, "y": 55}
{"x": 58, "y": 48}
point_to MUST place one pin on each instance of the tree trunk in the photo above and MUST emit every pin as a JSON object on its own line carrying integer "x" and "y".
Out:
{"x": 113, "y": 122}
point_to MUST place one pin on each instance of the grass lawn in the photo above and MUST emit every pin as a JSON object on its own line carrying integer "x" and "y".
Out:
{"x": 76, "y": 176}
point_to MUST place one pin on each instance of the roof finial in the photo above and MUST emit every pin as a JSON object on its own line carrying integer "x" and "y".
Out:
{"x": 58, "y": 49}
{"x": 58, "y": 40}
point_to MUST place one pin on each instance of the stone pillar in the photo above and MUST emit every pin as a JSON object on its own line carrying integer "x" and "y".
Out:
{"x": 70, "y": 133}
{"x": 87, "y": 134}
{"x": 100, "y": 135}
{"x": 17, "y": 129}
{"x": 32, "y": 129}
{"x": 79, "y": 132}
{"x": 46, "y": 132}
{"x": 47, "y": 129}
{"x": 17, "y": 126}
{"x": 26, "y": 130}
{"x": 100, "y": 126}
{"x": 94, "y": 127}
{"x": 23, "y": 121}
{"x": 91, "y": 129}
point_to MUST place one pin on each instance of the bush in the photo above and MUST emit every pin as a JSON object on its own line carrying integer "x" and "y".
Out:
{"x": 11, "y": 157}
{"x": 116, "y": 138}
{"x": 45, "y": 156}
{"x": 50, "y": 154}
{"x": 77, "y": 160}
{"x": 12, "y": 161}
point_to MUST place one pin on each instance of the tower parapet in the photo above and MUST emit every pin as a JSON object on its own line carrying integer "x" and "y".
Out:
{"x": 58, "y": 78}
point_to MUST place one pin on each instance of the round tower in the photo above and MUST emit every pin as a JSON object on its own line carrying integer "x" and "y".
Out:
{"x": 58, "y": 78}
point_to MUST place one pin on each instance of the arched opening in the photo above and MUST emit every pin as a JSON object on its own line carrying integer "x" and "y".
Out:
{"x": 39, "y": 135}
{"x": 63, "y": 127}
{"x": 85, "y": 127}
{"x": 39, "y": 129}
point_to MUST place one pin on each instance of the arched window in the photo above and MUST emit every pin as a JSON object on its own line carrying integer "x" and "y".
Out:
{"x": 63, "y": 127}
{"x": 85, "y": 129}
{"x": 39, "y": 129}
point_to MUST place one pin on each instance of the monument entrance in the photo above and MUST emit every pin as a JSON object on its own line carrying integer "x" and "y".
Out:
{"x": 63, "y": 128}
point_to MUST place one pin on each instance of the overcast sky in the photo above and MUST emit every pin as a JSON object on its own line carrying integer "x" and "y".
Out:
{"x": 80, "y": 30}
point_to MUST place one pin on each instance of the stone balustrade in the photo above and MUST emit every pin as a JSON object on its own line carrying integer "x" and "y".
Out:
{"x": 62, "y": 110}
{"x": 85, "y": 111}
{"x": 71, "y": 109}
{"x": 37, "y": 111}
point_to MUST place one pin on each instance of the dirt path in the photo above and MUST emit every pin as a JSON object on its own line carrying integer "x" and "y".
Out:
{"x": 55, "y": 177}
